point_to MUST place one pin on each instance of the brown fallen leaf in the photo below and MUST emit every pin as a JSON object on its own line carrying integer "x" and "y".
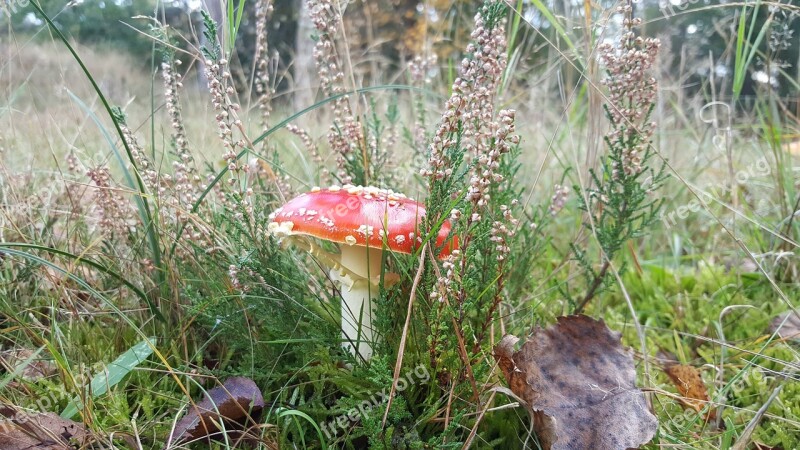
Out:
{"x": 236, "y": 404}
{"x": 690, "y": 384}
{"x": 760, "y": 446}
{"x": 580, "y": 384}
{"x": 691, "y": 387}
{"x": 30, "y": 368}
{"x": 21, "y": 429}
{"x": 790, "y": 329}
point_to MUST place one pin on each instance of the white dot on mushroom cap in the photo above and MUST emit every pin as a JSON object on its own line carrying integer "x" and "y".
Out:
{"x": 280, "y": 229}
{"x": 400, "y": 239}
{"x": 350, "y": 240}
{"x": 334, "y": 188}
{"x": 315, "y": 189}
{"x": 370, "y": 190}
{"x": 275, "y": 213}
{"x": 366, "y": 230}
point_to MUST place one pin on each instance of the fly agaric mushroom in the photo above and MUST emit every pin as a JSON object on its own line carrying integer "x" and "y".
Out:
{"x": 363, "y": 221}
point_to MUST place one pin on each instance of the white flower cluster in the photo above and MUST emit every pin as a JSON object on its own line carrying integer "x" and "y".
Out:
{"x": 631, "y": 93}
{"x": 221, "y": 90}
{"x": 345, "y": 136}
{"x": 262, "y": 81}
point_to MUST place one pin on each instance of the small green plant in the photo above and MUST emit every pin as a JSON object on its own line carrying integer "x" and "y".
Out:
{"x": 621, "y": 202}
{"x": 154, "y": 231}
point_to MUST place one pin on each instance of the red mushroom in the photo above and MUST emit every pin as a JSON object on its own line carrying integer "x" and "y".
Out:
{"x": 363, "y": 221}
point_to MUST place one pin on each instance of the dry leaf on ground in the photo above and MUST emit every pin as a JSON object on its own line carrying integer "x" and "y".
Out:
{"x": 236, "y": 404}
{"x": 691, "y": 387}
{"x": 760, "y": 446}
{"x": 790, "y": 330}
{"x": 20, "y": 429}
{"x": 689, "y": 382}
{"x": 26, "y": 362}
{"x": 580, "y": 384}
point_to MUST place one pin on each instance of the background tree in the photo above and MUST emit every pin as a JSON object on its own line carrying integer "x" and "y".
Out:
{"x": 109, "y": 24}
{"x": 384, "y": 34}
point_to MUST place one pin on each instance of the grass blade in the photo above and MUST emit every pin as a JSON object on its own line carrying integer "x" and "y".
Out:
{"x": 89, "y": 289}
{"x": 234, "y": 24}
{"x": 13, "y": 98}
{"x": 129, "y": 178}
{"x": 285, "y": 412}
{"x": 19, "y": 368}
{"x": 282, "y": 124}
{"x": 113, "y": 374}
{"x": 553, "y": 21}
{"x": 95, "y": 265}
{"x": 746, "y": 48}
{"x": 149, "y": 224}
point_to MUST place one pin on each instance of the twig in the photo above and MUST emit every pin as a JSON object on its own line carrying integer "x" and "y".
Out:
{"x": 449, "y": 405}
{"x": 596, "y": 283}
{"x": 462, "y": 348}
{"x": 474, "y": 431}
{"x": 639, "y": 331}
{"x": 401, "y": 351}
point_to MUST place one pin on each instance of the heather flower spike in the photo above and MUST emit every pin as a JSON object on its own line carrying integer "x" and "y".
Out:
{"x": 363, "y": 221}
{"x": 632, "y": 92}
{"x": 621, "y": 201}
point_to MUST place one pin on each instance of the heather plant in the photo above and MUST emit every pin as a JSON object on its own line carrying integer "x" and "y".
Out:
{"x": 262, "y": 82}
{"x": 470, "y": 183}
{"x": 620, "y": 202}
{"x": 457, "y": 302}
{"x": 419, "y": 74}
{"x": 469, "y": 165}
{"x": 346, "y": 135}
{"x": 179, "y": 223}
{"x": 222, "y": 91}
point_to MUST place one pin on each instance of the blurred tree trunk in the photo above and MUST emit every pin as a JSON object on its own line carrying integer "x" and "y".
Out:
{"x": 215, "y": 9}
{"x": 304, "y": 58}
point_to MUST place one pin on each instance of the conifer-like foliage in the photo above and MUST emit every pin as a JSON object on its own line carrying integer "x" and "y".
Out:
{"x": 621, "y": 203}
{"x": 169, "y": 241}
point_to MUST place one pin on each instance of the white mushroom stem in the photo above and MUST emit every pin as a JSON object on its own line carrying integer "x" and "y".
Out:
{"x": 357, "y": 272}
{"x": 359, "y": 287}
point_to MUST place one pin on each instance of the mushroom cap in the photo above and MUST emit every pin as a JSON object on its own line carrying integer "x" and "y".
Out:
{"x": 356, "y": 215}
